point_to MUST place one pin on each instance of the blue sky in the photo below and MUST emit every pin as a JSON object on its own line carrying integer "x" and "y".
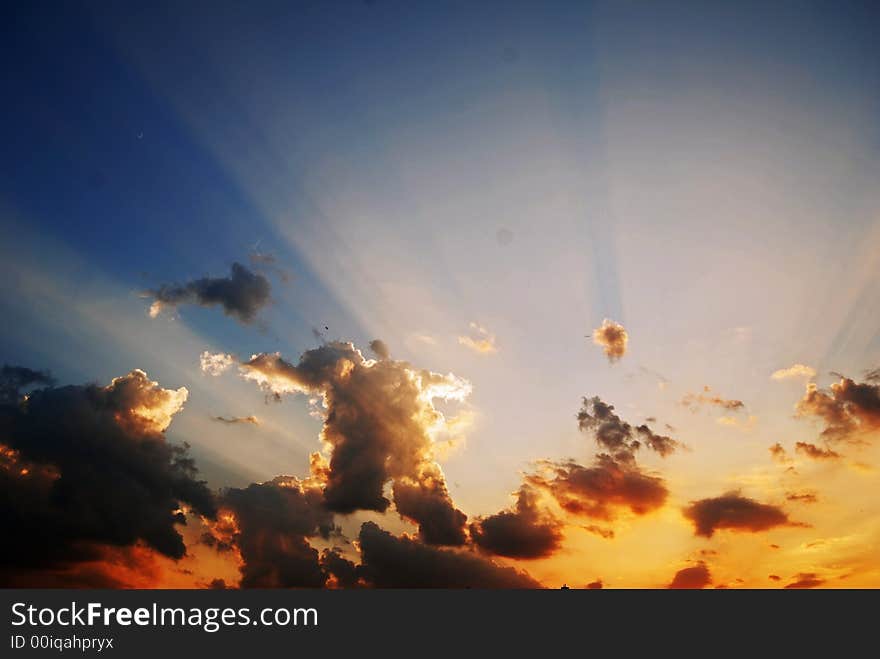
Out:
{"x": 706, "y": 174}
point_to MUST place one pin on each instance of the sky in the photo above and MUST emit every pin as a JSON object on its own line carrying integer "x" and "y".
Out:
{"x": 238, "y": 199}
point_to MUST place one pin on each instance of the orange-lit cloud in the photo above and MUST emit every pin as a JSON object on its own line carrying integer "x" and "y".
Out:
{"x": 805, "y": 580}
{"x": 613, "y": 338}
{"x": 816, "y": 452}
{"x": 848, "y": 409}
{"x": 479, "y": 340}
{"x": 525, "y": 531}
{"x": 602, "y": 490}
{"x": 778, "y": 453}
{"x": 693, "y": 578}
{"x": 794, "y": 371}
{"x": 380, "y": 426}
{"x": 694, "y": 401}
{"x": 96, "y": 472}
{"x": 734, "y": 512}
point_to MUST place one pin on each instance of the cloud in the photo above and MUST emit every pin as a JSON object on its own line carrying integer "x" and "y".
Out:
{"x": 233, "y": 420}
{"x": 805, "y": 580}
{"x": 618, "y": 436}
{"x": 380, "y": 349}
{"x": 847, "y": 408}
{"x": 15, "y": 378}
{"x": 602, "y": 490}
{"x": 270, "y": 525}
{"x": 694, "y": 401}
{"x": 402, "y": 562}
{"x": 426, "y": 501}
{"x": 341, "y": 572}
{"x": 802, "y": 497}
{"x": 215, "y": 364}
{"x": 522, "y": 532}
{"x": 86, "y": 470}
{"x": 241, "y": 295}
{"x": 613, "y": 339}
{"x": 794, "y": 371}
{"x": 380, "y": 426}
{"x": 736, "y": 513}
{"x": 815, "y": 452}
{"x": 595, "y": 585}
{"x": 267, "y": 262}
{"x": 778, "y": 453}
{"x": 693, "y": 578}
{"x": 745, "y": 425}
{"x": 872, "y": 375}
{"x": 479, "y": 340}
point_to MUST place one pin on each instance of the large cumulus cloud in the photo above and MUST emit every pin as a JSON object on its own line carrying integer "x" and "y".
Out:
{"x": 379, "y": 424}
{"x": 84, "y": 468}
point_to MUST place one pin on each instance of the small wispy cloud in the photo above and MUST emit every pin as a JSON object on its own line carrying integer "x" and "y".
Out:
{"x": 794, "y": 371}
{"x": 706, "y": 397}
{"x": 740, "y": 424}
{"x": 479, "y": 339}
{"x": 232, "y": 420}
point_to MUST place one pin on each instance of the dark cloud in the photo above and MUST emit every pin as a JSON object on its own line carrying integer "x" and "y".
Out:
{"x": 342, "y": 572}
{"x": 595, "y": 585}
{"x": 774, "y": 577}
{"x": 392, "y": 562}
{"x": 15, "y": 378}
{"x": 241, "y": 295}
{"x": 233, "y": 420}
{"x": 272, "y": 524}
{"x": 87, "y": 468}
{"x": 805, "y": 580}
{"x": 427, "y": 502}
{"x": 816, "y": 452}
{"x": 847, "y": 408}
{"x": 602, "y": 490}
{"x": 613, "y": 338}
{"x": 693, "y": 578}
{"x": 618, "y": 436}
{"x": 522, "y": 532}
{"x": 706, "y": 397}
{"x": 379, "y": 423}
{"x": 380, "y": 349}
{"x": 736, "y": 513}
{"x": 873, "y": 375}
{"x": 802, "y": 497}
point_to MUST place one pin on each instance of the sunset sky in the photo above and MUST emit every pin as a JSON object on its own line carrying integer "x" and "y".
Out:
{"x": 238, "y": 198}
